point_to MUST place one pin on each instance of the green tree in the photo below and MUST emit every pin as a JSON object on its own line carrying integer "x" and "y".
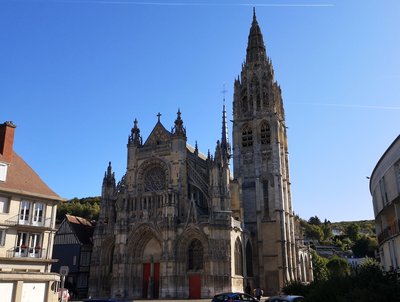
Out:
{"x": 327, "y": 230}
{"x": 314, "y": 220}
{"x": 320, "y": 270}
{"x": 365, "y": 246}
{"x": 338, "y": 267}
{"x": 353, "y": 231}
{"x": 87, "y": 208}
{"x": 314, "y": 232}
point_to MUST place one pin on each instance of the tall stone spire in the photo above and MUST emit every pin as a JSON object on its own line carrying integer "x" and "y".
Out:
{"x": 225, "y": 147}
{"x": 109, "y": 177}
{"x": 255, "y": 46}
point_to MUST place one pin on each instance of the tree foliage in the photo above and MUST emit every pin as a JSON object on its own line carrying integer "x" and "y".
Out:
{"x": 367, "y": 285}
{"x": 365, "y": 246}
{"x": 353, "y": 231}
{"x": 320, "y": 270}
{"x": 313, "y": 231}
{"x": 338, "y": 267}
{"x": 314, "y": 220}
{"x": 88, "y": 208}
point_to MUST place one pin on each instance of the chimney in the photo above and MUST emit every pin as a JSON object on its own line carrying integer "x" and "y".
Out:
{"x": 7, "y": 140}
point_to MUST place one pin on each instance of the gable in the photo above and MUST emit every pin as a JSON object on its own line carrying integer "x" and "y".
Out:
{"x": 158, "y": 136}
{"x": 65, "y": 234}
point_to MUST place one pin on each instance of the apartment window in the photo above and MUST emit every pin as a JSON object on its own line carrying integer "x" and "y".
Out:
{"x": 2, "y": 237}
{"x": 24, "y": 212}
{"x": 382, "y": 187}
{"x": 85, "y": 259}
{"x": 3, "y": 172}
{"x": 397, "y": 169}
{"x": 4, "y": 204}
{"x": 28, "y": 245}
{"x": 22, "y": 239}
{"x": 38, "y": 210}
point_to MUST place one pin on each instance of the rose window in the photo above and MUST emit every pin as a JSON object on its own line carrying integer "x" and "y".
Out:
{"x": 154, "y": 180}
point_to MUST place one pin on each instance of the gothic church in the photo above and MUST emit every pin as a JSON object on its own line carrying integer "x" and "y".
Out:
{"x": 180, "y": 225}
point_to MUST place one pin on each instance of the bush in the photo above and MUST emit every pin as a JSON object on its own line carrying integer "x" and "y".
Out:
{"x": 295, "y": 288}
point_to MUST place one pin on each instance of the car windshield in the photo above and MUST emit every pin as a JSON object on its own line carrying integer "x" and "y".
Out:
{"x": 221, "y": 297}
{"x": 245, "y": 297}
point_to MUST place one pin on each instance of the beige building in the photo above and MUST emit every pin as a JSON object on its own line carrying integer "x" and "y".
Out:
{"x": 27, "y": 226}
{"x": 180, "y": 225}
{"x": 385, "y": 191}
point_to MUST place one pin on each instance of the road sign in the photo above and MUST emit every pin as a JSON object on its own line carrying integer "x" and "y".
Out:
{"x": 64, "y": 270}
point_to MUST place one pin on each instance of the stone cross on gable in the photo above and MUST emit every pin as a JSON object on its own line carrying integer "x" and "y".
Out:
{"x": 158, "y": 116}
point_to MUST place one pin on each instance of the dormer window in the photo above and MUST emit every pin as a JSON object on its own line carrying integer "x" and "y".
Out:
{"x": 3, "y": 172}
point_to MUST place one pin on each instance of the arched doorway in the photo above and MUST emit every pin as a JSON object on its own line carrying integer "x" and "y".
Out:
{"x": 151, "y": 269}
{"x": 195, "y": 265}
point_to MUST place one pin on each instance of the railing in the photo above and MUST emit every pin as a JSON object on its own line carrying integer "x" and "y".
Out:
{"x": 26, "y": 252}
{"x": 389, "y": 231}
{"x": 16, "y": 221}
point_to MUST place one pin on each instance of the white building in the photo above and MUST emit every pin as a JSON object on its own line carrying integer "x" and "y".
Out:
{"x": 27, "y": 226}
{"x": 385, "y": 191}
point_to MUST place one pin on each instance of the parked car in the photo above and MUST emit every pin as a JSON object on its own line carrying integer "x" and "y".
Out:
{"x": 101, "y": 300}
{"x": 285, "y": 299}
{"x": 233, "y": 297}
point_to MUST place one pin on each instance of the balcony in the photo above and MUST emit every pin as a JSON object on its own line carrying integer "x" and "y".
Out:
{"x": 26, "y": 252}
{"x": 391, "y": 230}
{"x": 30, "y": 222}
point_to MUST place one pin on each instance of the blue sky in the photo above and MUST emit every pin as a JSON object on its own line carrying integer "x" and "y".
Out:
{"x": 74, "y": 75}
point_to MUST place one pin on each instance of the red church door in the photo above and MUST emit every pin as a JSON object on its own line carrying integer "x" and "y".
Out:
{"x": 146, "y": 275}
{"x": 194, "y": 286}
{"x": 156, "y": 279}
{"x": 151, "y": 280}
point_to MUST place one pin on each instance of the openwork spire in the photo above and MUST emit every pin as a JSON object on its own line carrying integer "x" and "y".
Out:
{"x": 225, "y": 147}
{"x": 109, "y": 176}
{"x": 255, "y": 46}
{"x": 135, "y": 137}
{"x": 178, "y": 129}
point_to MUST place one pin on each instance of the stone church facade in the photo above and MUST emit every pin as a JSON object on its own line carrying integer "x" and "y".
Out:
{"x": 179, "y": 225}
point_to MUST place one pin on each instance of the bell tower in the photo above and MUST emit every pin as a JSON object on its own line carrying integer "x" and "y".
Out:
{"x": 260, "y": 161}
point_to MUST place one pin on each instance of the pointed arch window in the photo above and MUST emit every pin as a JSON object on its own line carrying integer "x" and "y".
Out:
{"x": 265, "y": 134}
{"x": 247, "y": 136}
{"x": 238, "y": 258}
{"x": 195, "y": 255}
{"x": 249, "y": 260}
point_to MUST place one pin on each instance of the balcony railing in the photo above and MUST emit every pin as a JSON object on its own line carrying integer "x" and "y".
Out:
{"x": 17, "y": 221}
{"x": 389, "y": 231}
{"x": 26, "y": 252}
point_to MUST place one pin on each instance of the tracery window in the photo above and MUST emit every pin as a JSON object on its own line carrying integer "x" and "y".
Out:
{"x": 249, "y": 260}
{"x": 238, "y": 258}
{"x": 247, "y": 136}
{"x": 195, "y": 255}
{"x": 154, "y": 180}
{"x": 265, "y": 134}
